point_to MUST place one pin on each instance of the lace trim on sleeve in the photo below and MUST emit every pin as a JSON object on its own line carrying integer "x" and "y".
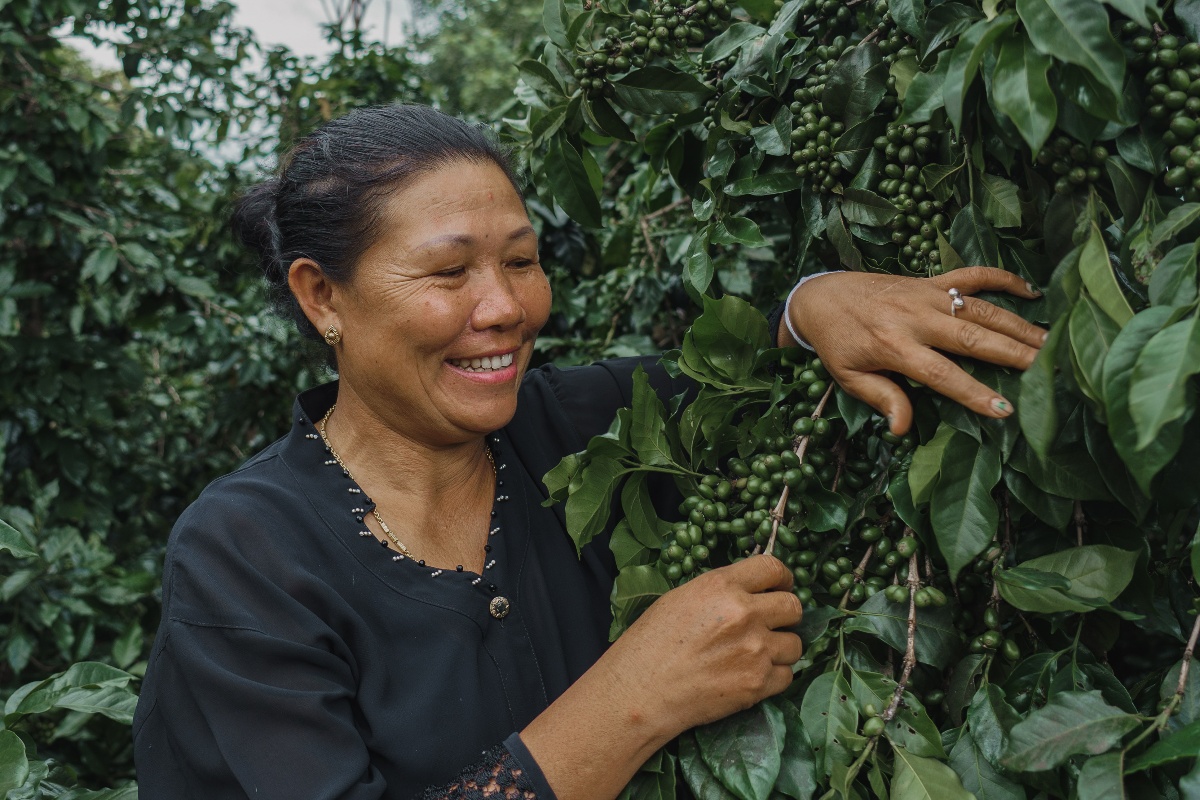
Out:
{"x": 498, "y": 776}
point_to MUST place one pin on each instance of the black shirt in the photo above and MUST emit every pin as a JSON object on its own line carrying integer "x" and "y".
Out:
{"x": 298, "y": 658}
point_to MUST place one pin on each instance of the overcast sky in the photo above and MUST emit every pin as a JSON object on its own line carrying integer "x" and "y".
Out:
{"x": 297, "y": 23}
{"x": 294, "y": 23}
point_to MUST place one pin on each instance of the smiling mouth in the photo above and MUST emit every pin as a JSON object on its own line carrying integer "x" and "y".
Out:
{"x": 485, "y": 364}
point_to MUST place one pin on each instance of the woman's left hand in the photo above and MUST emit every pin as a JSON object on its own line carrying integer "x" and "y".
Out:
{"x": 864, "y": 324}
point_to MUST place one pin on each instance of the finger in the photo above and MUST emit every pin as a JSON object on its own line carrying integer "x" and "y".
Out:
{"x": 761, "y": 573}
{"x": 882, "y": 394}
{"x": 945, "y": 377}
{"x": 971, "y": 280}
{"x": 994, "y": 318}
{"x": 968, "y": 339}
{"x": 778, "y": 679}
{"x": 778, "y": 609}
{"x": 785, "y": 648}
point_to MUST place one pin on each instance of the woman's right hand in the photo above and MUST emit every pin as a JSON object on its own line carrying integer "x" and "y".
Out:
{"x": 701, "y": 652}
{"x": 713, "y": 646}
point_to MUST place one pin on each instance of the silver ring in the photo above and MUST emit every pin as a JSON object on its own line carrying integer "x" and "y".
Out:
{"x": 956, "y": 301}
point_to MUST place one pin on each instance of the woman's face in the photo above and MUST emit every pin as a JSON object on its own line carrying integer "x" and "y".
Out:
{"x": 439, "y": 320}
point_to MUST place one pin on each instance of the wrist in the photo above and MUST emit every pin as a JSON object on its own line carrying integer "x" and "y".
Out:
{"x": 791, "y": 319}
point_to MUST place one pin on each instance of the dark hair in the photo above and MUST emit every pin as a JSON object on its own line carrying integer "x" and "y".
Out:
{"x": 326, "y": 202}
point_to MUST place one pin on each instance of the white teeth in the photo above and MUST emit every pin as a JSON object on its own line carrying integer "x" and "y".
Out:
{"x": 484, "y": 364}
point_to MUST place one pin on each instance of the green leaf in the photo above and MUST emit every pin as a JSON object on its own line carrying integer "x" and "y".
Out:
{"x": 909, "y": 16}
{"x": 1072, "y": 723}
{"x": 634, "y": 590}
{"x": 744, "y": 750}
{"x": 936, "y": 640}
{"x": 924, "y": 95}
{"x": 12, "y": 541}
{"x": 1077, "y": 32}
{"x": 1067, "y": 473}
{"x": 660, "y": 90}
{"x": 541, "y": 77}
{"x": 829, "y": 714}
{"x": 731, "y": 40}
{"x": 1021, "y": 90}
{"x": 699, "y": 777}
{"x": 798, "y": 767}
{"x": 100, "y": 264}
{"x": 1129, "y": 185}
{"x": 919, "y": 778}
{"x": 1139, "y": 150}
{"x": 554, "y": 21}
{"x": 568, "y": 180}
{"x": 697, "y": 264}
{"x": 991, "y": 719}
{"x": 1092, "y": 333}
{"x": 978, "y": 776}
{"x": 866, "y": 207}
{"x": 1100, "y": 778}
{"x": 648, "y": 431}
{"x": 1097, "y": 574}
{"x": 855, "y": 85}
{"x": 911, "y": 727}
{"x": 1173, "y": 282}
{"x": 589, "y": 505}
{"x": 965, "y": 60}
{"x": 999, "y": 201}
{"x": 839, "y": 237}
{"x": 640, "y": 515}
{"x": 765, "y": 184}
{"x": 607, "y": 119}
{"x": 14, "y": 764}
{"x": 963, "y": 512}
{"x": 1180, "y": 218}
{"x": 973, "y": 238}
{"x": 654, "y": 781}
{"x": 1097, "y": 273}
{"x": 1158, "y": 390}
{"x": 1183, "y": 743}
{"x": 738, "y": 230}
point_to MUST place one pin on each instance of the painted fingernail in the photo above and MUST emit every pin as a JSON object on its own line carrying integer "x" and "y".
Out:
{"x": 1033, "y": 290}
{"x": 1001, "y": 406}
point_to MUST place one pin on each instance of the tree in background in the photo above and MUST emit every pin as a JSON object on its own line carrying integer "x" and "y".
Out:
{"x": 138, "y": 359}
{"x": 994, "y": 608}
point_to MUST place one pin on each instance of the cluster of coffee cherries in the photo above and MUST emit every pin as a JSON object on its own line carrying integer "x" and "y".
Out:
{"x": 1173, "y": 80}
{"x": 815, "y": 131}
{"x": 670, "y": 25}
{"x": 920, "y": 217}
{"x": 1074, "y": 165}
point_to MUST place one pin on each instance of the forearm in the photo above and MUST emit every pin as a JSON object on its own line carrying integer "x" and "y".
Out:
{"x": 593, "y": 738}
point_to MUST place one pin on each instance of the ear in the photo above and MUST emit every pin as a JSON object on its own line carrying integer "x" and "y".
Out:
{"x": 314, "y": 292}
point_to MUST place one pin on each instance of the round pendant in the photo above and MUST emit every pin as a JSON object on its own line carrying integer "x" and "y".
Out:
{"x": 499, "y": 607}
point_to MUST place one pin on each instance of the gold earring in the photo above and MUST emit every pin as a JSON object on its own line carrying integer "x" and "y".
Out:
{"x": 332, "y": 335}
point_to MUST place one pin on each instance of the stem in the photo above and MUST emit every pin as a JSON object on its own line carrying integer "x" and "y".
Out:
{"x": 801, "y": 447}
{"x": 853, "y": 769}
{"x": 1187, "y": 659}
{"x": 858, "y": 573}
{"x": 910, "y": 650}
{"x": 1080, "y": 523}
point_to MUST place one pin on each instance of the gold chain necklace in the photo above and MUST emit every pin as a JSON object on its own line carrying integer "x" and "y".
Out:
{"x": 487, "y": 451}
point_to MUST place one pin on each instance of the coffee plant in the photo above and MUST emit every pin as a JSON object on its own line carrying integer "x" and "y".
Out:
{"x": 993, "y": 608}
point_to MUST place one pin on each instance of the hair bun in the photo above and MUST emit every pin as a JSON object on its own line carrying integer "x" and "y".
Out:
{"x": 255, "y": 227}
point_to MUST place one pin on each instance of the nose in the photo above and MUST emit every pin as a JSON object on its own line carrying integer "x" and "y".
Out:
{"x": 498, "y": 304}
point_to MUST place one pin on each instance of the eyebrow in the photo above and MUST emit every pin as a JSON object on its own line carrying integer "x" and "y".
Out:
{"x": 461, "y": 239}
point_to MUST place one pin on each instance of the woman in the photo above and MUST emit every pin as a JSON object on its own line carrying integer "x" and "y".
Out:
{"x": 378, "y": 604}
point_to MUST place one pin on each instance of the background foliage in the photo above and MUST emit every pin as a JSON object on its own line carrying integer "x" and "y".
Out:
{"x": 998, "y": 609}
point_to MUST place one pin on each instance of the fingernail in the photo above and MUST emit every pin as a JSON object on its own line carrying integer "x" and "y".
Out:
{"x": 1045, "y": 336}
{"x": 1033, "y": 290}
{"x": 1001, "y": 406}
